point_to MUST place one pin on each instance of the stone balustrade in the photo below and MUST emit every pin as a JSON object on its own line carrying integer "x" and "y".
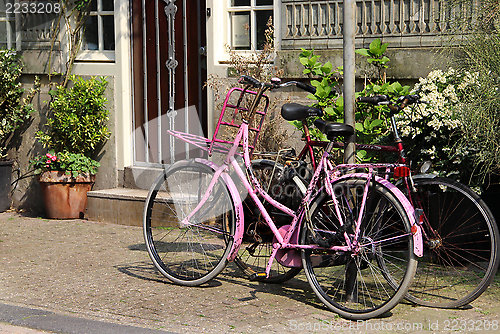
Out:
{"x": 403, "y": 23}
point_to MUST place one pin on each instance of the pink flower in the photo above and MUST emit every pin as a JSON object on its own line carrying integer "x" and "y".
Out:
{"x": 48, "y": 162}
{"x": 51, "y": 157}
{"x": 47, "y": 166}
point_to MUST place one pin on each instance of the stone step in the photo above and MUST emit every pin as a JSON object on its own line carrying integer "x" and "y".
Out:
{"x": 140, "y": 177}
{"x": 122, "y": 206}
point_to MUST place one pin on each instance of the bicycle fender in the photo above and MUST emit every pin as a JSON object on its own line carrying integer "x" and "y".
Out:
{"x": 426, "y": 176}
{"x": 418, "y": 244}
{"x": 239, "y": 228}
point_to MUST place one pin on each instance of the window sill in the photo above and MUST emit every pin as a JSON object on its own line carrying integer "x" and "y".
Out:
{"x": 96, "y": 56}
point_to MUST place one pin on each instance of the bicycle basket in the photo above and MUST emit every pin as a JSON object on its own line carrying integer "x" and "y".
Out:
{"x": 237, "y": 104}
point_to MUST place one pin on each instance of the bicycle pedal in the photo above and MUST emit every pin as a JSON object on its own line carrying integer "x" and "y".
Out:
{"x": 257, "y": 276}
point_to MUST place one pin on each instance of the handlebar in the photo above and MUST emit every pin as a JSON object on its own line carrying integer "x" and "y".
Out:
{"x": 395, "y": 108}
{"x": 306, "y": 87}
{"x": 385, "y": 100}
{"x": 248, "y": 80}
{"x": 378, "y": 99}
{"x": 275, "y": 84}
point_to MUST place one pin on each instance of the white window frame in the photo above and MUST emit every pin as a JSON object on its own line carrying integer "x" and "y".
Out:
{"x": 16, "y": 42}
{"x": 253, "y": 21}
{"x": 100, "y": 54}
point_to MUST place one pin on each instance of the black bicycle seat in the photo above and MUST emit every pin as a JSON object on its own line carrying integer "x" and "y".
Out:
{"x": 332, "y": 129}
{"x": 299, "y": 112}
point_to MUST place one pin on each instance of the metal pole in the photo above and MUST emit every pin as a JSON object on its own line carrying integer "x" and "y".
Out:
{"x": 349, "y": 152}
{"x": 349, "y": 31}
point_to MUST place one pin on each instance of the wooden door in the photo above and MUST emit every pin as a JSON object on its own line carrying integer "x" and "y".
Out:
{"x": 169, "y": 71}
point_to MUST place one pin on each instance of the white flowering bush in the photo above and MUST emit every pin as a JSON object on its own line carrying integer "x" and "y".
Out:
{"x": 431, "y": 130}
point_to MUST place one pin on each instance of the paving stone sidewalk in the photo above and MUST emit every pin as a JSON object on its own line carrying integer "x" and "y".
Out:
{"x": 102, "y": 273}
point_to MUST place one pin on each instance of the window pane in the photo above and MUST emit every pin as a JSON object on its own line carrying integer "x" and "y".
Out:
{"x": 93, "y": 5}
{"x": 3, "y": 9}
{"x": 90, "y": 39}
{"x": 108, "y": 27}
{"x": 240, "y": 2}
{"x": 107, "y": 5}
{"x": 240, "y": 30}
{"x": 3, "y": 34}
{"x": 262, "y": 17}
{"x": 264, "y": 2}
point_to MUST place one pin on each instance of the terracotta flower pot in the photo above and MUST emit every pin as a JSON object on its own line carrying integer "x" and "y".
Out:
{"x": 5, "y": 179}
{"x": 65, "y": 197}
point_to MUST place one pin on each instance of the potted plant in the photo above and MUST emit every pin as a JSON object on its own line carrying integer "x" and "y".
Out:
{"x": 76, "y": 130}
{"x": 14, "y": 111}
{"x": 65, "y": 179}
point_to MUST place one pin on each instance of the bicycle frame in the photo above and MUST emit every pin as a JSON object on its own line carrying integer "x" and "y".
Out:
{"x": 331, "y": 174}
{"x": 398, "y": 148}
{"x": 307, "y": 150}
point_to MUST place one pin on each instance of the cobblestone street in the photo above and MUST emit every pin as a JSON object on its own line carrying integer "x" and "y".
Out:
{"x": 102, "y": 272}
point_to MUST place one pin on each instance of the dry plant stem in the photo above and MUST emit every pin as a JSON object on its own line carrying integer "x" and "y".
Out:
{"x": 74, "y": 20}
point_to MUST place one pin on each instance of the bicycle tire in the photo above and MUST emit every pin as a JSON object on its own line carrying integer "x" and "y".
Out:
{"x": 189, "y": 254}
{"x": 254, "y": 254}
{"x": 461, "y": 260}
{"x": 376, "y": 286}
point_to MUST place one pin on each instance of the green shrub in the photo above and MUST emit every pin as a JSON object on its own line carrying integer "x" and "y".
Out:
{"x": 71, "y": 163}
{"x": 77, "y": 123}
{"x": 371, "y": 123}
{"x": 14, "y": 109}
{"x": 325, "y": 79}
{"x": 479, "y": 111}
{"x": 479, "y": 53}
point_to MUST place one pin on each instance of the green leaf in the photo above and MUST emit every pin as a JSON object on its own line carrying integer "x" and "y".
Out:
{"x": 377, "y": 122}
{"x": 327, "y": 67}
{"x": 367, "y": 124}
{"x": 320, "y": 92}
{"x": 315, "y": 83}
{"x": 304, "y": 61}
{"x": 340, "y": 104}
{"x": 305, "y": 53}
{"x": 375, "y": 47}
{"x": 361, "y": 154}
{"x": 359, "y": 127}
{"x": 363, "y": 52}
{"x": 329, "y": 111}
{"x": 396, "y": 86}
{"x": 383, "y": 47}
{"x": 312, "y": 61}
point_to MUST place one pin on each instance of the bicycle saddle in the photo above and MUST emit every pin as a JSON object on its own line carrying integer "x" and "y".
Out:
{"x": 332, "y": 129}
{"x": 298, "y": 112}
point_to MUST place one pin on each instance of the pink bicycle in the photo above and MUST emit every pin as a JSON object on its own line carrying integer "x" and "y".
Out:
{"x": 354, "y": 233}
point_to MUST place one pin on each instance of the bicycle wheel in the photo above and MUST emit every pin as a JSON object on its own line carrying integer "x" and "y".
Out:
{"x": 257, "y": 247}
{"x": 370, "y": 281}
{"x": 460, "y": 244}
{"x": 188, "y": 253}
